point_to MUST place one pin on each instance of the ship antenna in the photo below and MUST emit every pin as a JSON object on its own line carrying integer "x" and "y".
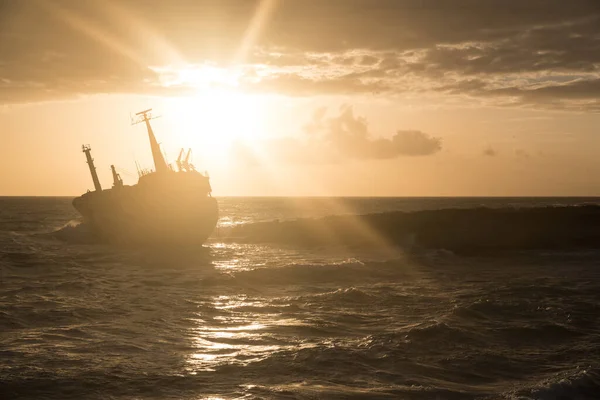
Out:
{"x": 160, "y": 165}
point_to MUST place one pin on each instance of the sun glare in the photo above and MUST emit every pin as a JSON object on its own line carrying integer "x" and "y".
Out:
{"x": 213, "y": 119}
{"x": 203, "y": 76}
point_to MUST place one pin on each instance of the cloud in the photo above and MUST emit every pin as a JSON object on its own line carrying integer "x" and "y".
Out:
{"x": 348, "y": 135}
{"x": 297, "y": 85}
{"x": 337, "y": 139}
{"x": 523, "y": 154}
{"x": 490, "y": 152}
{"x": 535, "y": 53}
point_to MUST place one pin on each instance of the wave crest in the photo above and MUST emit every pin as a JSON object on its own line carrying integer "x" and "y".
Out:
{"x": 74, "y": 231}
{"x": 581, "y": 383}
{"x": 461, "y": 231}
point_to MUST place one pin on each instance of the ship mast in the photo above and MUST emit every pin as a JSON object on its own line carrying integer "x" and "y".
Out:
{"x": 160, "y": 165}
{"x": 90, "y": 161}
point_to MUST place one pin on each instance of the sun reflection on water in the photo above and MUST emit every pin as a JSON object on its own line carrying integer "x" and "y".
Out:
{"x": 236, "y": 336}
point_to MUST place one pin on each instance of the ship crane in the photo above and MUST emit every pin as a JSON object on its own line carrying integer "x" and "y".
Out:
{"x": 117, "y": 181}
{"x": 186, "y": 163}
{"x": 178, "y": 162}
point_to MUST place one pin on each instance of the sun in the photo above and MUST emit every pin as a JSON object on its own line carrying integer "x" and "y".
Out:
{"x": 215, "y": 116}
{"x": 212, "y": 120}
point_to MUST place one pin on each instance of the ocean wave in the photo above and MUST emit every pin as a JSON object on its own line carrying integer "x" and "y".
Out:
{"x": 414, "y": 338}
{"x": 462, "y": 231}
{"x": 75, "y": 232}
{"x": 437, "y": 332}
{"x": 496, "y": 309}
{"x": 321, "y": 389}
{"x": 580, "y": 384}
{"x": 344, "y": 273}
{"x": 534, "y": 335}
{"x": 351, "y": 295}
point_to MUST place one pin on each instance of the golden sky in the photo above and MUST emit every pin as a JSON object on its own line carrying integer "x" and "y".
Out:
{"x": 334, "y": 98}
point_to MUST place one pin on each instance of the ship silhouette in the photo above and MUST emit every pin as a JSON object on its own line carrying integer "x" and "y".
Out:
{"x": 169, "y": 205}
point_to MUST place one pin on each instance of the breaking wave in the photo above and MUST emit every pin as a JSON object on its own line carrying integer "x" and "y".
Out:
{"x": 581, "y": 383}
{"x": 461, "y": 231}
{"x": 74, "y": 231}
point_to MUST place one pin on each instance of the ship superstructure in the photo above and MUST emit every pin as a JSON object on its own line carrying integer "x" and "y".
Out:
{"x": 167, "y": 205}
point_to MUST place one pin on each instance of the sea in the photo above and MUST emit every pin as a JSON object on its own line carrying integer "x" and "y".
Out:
{"x": 239, "y": 319}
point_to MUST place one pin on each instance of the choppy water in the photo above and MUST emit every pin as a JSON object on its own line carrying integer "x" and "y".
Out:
{"x": 231, "y": 320}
